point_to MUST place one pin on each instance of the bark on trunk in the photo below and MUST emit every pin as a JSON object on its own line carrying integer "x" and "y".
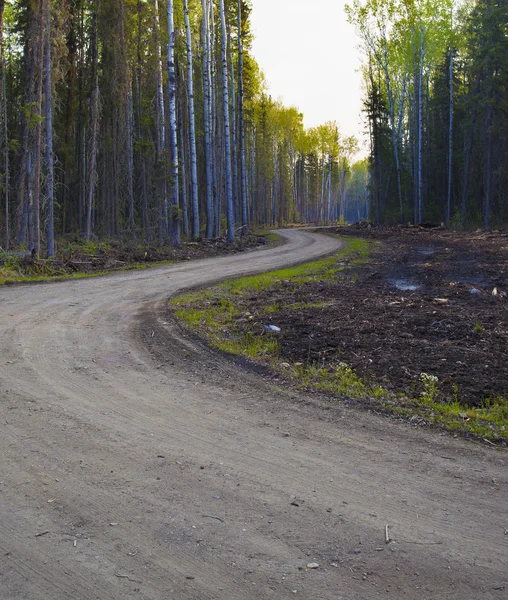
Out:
{"x": 241, "y": 126}
{"x": 192, "y": 128}
{"x": 450, "y": 144}
{"x": 94, "y": 131}
{"x": 207, "y": 117}
{"x": 5, "y": 135}
{"x": 49, "y": 137}
{"x": 175, "y": 217}
{"x": 130, "y": 160}
{"x": 227, "y": 138}
{"x": 160, "y": 121}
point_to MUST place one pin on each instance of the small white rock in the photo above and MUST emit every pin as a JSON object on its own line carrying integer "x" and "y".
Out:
{"x": 312, "y": 566}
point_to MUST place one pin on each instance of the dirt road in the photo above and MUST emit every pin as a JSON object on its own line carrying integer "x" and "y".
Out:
{"x": 135, "y": 464}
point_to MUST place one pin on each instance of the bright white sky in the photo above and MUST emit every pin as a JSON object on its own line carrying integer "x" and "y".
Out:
{"x": 307, "y": 50}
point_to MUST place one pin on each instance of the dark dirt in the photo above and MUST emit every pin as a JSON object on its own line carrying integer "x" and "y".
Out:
{"x": 118, "y": 254}
{"x": 423, "y": 303}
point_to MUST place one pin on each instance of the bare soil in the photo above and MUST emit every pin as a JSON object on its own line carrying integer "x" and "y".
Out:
{"x": 423, "y": 302}
{"x": 134, "y": 463}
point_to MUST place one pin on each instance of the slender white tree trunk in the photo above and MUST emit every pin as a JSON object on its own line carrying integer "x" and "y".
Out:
{"x": 175, "y": 219}
{"x": 183, "y": 172}
{"x": 227, "y": 134}
{"x": 161, "y": 130}
{"x": 241, "y": 126}
{"x": 192, "y": 127}
{"x": 207, "y": 118}
{"x": 234, "y": 161}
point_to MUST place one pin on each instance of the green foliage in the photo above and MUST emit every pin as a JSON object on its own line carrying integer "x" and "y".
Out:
{"x": 439, "y": 68}
{"x": 430, "y": 388}
{"x": 478, "y": 327}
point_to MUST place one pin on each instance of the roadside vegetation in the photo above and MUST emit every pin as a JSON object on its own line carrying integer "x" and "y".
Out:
{"x": 295, "y": 322}
{"x": 81, "y": 258}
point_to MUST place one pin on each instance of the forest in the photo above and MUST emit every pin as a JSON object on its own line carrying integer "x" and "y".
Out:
{"x": 436, "y": 107}
{"x": 152, "y": 120}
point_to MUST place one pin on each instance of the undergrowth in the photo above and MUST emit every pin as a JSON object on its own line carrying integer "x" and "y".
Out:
{"x": 78, "y": 258}
{"x": 219, "y": 315}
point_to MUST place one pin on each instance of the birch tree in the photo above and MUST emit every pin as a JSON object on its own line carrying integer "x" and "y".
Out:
{"x": 227, "y": 134}
{"x": 161, "y": 130}
{"x": 192, "y": 126}
{"x": 173, "y": 144}
{"x": 207, "y": 116}
{"x": 241, "y": 125}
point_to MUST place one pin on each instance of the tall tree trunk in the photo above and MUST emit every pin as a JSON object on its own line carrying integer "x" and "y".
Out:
{"x": 395, "y": 138}
{"x": 49, "y": 137}
{"x": 467, "y": 162}
{"x": 140, "y": 131}
{"x": 215, "y": 147}
{"x": 25, "y": 178}
{"x": 420, "y": 127}
{"x": 4, "y": 142}
{"x": 488, "y": 164}
{"x": 79, "y": 218}
{"x": 234, "y": 161}
{"x": 207, "y": 118}
{"x": 227, "y": 134}
{"x": 142, "y": 161}
{"x": 35, "y": 231}
{"x": 192, "y": 127}
{"x": 329, "y": 190}
{"x": 175, "y": 218}
{"x": 94, "y": 132}
{"x": 241, "y": 126}
{"x": 183, "y": 171}
{"x": 160, "y": 121}
{"x": 450, "y": 143}
{"x": 130, "y": 159}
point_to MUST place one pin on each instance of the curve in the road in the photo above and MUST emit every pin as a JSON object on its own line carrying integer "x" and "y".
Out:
{"x": 121, "y": 477}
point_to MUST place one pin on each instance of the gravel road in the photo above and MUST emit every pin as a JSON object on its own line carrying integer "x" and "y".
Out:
{"x": 134, "y": 463}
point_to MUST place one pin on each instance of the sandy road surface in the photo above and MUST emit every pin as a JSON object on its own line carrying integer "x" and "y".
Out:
{"x": 155, "y": 470}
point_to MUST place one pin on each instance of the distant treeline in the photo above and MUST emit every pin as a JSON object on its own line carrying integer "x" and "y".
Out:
{"x": 436, "y": 80}
{"x": 150, "y": 119}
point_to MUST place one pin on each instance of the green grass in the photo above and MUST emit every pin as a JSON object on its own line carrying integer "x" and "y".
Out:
{"x": 218, "y": 315}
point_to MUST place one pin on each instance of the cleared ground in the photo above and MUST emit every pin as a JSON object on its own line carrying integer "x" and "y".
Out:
{"x": 135, "y": 464}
